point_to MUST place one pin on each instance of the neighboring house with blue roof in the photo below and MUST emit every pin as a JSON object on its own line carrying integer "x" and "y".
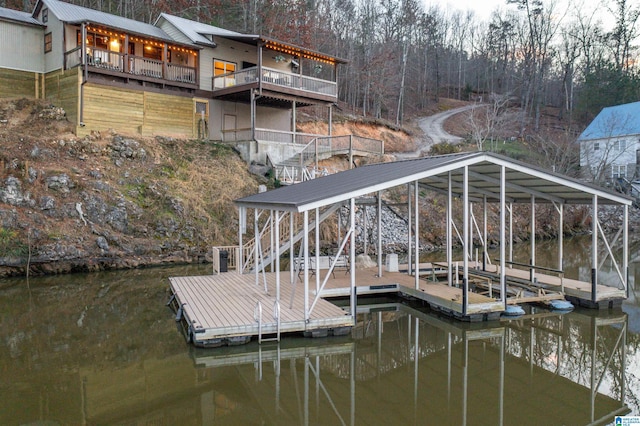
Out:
{"x": 177, "y": 77}
{"x": 609, "y": 145}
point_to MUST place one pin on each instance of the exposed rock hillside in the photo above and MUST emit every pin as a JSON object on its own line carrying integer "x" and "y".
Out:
{"x": 108, "y": 200}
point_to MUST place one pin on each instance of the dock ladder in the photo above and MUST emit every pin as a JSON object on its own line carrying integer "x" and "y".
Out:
{"x": 257, "y": 316}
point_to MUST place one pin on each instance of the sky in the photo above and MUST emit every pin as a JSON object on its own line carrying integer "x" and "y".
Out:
{"x": 484, "y": 8}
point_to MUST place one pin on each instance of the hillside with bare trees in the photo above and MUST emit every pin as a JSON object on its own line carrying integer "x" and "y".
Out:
{"x": 403, "y": 56}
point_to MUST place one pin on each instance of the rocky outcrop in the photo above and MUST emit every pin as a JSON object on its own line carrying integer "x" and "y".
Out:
{"x": 108, "y": 200}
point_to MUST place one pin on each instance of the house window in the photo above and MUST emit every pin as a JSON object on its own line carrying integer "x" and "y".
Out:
{"x": 620, "y": 145}
{"x": 45, "y": 15}
{"x": 596, "y": 146}
{"x": 48, "y": 42}
{"x": 220, "y": 68}
{"x": 152, "y": 52}
{"x": 618, "y": 171}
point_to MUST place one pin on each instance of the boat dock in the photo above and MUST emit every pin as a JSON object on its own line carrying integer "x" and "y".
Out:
{"x": 305, "y": 220}
{"x": 217, "y": 310}
{"x": 224, "y": 309}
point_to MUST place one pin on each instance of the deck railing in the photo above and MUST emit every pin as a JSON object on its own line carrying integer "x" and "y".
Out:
{"x": 304, "y": 165}
{"x": 267, "y": 135}
{"x": 145, "y": 66}
{"x": 130, "y": 65}
{"x": 275, "y": 77}
{"x": 232, "y": 259}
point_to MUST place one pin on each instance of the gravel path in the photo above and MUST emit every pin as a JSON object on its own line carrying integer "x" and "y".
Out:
{"x": 434, "y": 132}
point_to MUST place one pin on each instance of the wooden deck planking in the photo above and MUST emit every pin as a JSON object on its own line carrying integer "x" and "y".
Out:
{"x": 224, "y": 305}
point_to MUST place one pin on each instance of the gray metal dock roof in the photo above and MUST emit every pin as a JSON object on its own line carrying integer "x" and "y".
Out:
{"x": 522, "y": 181}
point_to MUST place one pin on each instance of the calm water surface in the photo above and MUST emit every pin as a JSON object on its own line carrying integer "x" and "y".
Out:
{"x": 103, "y": 348}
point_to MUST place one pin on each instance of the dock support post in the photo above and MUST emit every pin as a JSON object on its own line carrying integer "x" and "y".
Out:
{"x": 379, "y": 225}
{"x": 625, "y": 249}
{"x": 594, "y": 248}
{"x": 352, "y": 257}
{"x": 503, "y": 271}
{"x": 532, "y": 274}
{"x": 291, "y": 249}
{"x": 409, "y": 251}
{"x": 485, "y": 254}
{"x": 465, "y": 238}
{"x": 417, "y": 236}
{"x": 560, "y": 237}
{"x": 449, "y": 250}
{"x": 317, "y": 254}
{"x": 242, "y": 229}
{"x": 510, "y": 232}
{"x": 277, "y": 256}
{"x": 256, "y": 245}
{"x": 272, "y": 239}
{"x": 365, "y": 231}
{"x": 305, "y": 256}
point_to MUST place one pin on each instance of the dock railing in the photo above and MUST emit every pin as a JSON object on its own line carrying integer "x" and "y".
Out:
{"x": 533, "y": 268}
{"x": 232, "y": 260}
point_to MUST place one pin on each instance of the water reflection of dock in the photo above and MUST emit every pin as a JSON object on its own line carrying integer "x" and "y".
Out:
{"x": 417, "y": 368}
{"x": 402, "y": 366}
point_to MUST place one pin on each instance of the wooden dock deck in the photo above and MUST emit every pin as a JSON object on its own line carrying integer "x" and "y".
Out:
{"x": 219, "y": 309}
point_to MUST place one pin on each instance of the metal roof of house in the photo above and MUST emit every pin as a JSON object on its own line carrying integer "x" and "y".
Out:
{"x": 615, "y": 121}
{"x": 17, "y": 16}
{"x": 522, "y": 182}
{"x": 73, "y": 14}
{"x": 198, "y": 32}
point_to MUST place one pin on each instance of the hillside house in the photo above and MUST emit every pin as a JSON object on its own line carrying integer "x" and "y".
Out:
{"x": 609, "y": 146}
{"x": 175, "y": 78}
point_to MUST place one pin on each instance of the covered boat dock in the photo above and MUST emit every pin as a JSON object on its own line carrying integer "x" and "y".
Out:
{"x": 288, "y": 220}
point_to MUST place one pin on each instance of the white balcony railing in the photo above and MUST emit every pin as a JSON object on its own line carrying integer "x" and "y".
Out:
{"x": 136, "y": 65}
{"x": 277, "y": 78}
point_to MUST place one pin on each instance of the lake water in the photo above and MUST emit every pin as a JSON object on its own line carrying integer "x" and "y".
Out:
{"x": 102, "y": 348}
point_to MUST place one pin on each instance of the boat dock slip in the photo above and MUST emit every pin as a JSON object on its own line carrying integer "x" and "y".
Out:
{"x": 578, "y": 292}
{"x": 262, "y": 299}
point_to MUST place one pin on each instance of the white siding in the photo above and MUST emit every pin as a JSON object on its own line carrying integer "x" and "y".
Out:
{"x": 22, "y": 47}
{"x": 608, "y": 152}
{"x": 54, "y": 59}
{"x": 173, "y": 32}
{"x": 206, "y": 68}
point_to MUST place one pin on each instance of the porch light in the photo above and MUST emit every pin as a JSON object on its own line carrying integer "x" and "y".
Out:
{"x": 279, "y": 58}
